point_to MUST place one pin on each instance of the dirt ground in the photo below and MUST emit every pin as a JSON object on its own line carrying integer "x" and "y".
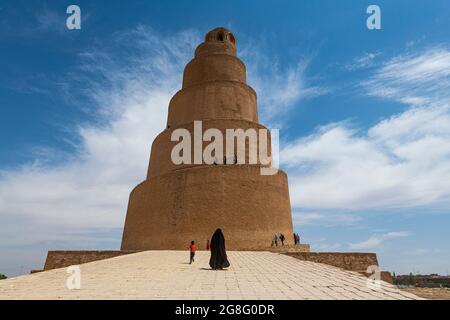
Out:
{"x": 430, "y": 293}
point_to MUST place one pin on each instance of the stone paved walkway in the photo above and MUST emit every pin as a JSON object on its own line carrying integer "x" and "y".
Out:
{"x": 167, "y": 275}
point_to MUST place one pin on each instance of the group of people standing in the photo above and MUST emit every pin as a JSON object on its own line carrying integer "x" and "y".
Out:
{"x": 278, "y": 238}
{"x": 218, "y": 259}
{"x": 296, "y": 238}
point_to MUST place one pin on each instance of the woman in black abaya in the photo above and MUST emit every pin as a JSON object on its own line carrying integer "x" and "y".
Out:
{"x": 218, "y": 254}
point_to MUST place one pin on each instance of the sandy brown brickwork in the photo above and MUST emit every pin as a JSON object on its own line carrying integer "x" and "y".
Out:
{"x": 160, "y": 159}
{"x": 213, "y": 100}
{"x": 289, "y": 248}
{"x": 61, "y": 259}
{"x": 346, "y": 260}
{"x": 169, "y": 211}
{"x": 214, "y": 67}
{"x": 180, "y": 203}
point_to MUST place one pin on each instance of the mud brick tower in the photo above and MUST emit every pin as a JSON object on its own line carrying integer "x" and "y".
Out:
{"x": 180, "y": 203}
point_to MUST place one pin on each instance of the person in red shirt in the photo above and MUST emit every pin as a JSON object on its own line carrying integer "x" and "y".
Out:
{"x": 192, "y": 249}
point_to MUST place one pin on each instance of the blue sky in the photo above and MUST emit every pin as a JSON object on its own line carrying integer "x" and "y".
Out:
{"x": 364, "y": 118}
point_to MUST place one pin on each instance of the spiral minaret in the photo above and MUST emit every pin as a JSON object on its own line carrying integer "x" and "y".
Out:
{"x": 178, "y": 203}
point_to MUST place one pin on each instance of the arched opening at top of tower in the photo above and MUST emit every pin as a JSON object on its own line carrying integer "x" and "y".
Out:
{"x": 220, "y": 34}
{"x": 217, "y": 41}
{"x": 231, "y": 38}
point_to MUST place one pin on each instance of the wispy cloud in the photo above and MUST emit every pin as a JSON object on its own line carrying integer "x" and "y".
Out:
{"x": 125, "y": 84}
{"x": 127, "y": 96}
{"x": 403, "y": 161}
{"x": 414, "y": 78}
{"x": 366, "y": 60}
{"x": 302, "y": 218}
{"x": 324, "y": 247}
{"x": 50, "y": 20}
{"x": 31, "y": 21}
{"x": 376, "y": 241}
{"x": 278, "y": 88}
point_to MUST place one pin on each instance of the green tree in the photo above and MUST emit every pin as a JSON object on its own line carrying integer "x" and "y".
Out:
{"x": 2, "y": 276}
{"x": 411, "y": 279}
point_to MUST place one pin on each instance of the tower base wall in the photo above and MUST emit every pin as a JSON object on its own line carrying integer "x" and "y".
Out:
{"x": 169, "y": 211}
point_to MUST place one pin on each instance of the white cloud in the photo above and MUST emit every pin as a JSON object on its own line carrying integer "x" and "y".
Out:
{"x": 129, "y": 94}
{"x": 35, "y": 21}
{"x": 403, "y": 161}
{"x": 424, "y": 252}
{"x": 375, "y": 241}
{"x": 125, "y": 83}
{"x": 414, "y": 79}
{"x": 278, "y": 89}
{"x": 302, "y": 218}
{"x": 50, "y": 20}
{"x": 364, "y": 61}
{"x": 324, "y": 247}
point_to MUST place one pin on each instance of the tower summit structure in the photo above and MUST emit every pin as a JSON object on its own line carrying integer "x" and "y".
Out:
{"x": 178, "y": 203}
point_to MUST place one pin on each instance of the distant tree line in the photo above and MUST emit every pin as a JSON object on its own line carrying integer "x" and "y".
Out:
{"x": 419, "y": 280}
{"x": 2, "y": 276}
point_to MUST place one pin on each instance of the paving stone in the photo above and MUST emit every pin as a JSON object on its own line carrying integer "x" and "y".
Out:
{"x": 165, "y": 275}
